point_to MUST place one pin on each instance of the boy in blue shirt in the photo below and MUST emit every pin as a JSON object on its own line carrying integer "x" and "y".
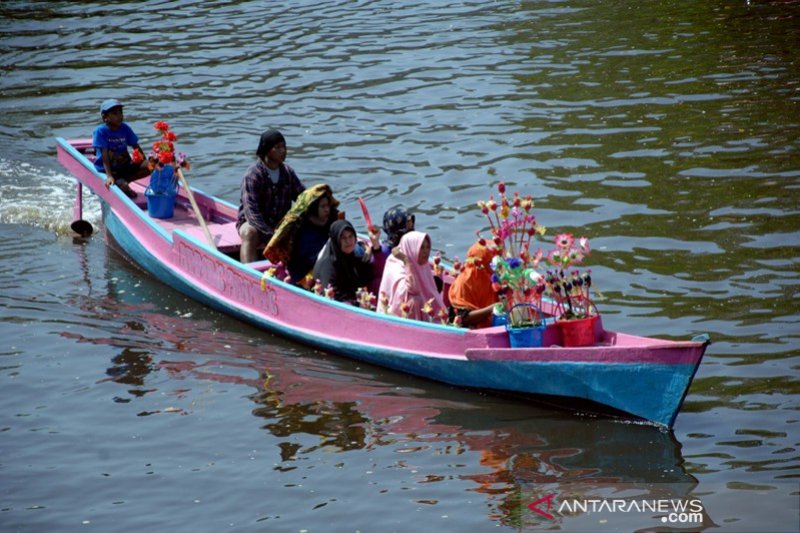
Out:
{"x": 111, "y": 140}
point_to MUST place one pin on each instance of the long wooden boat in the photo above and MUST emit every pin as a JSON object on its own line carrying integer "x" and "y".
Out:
{"x": 632, "y": 376}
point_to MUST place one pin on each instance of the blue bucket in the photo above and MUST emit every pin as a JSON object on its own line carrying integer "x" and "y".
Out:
{"x": 160, "y": 205}
{"x": 163, "y": 180}
{"x": 528, "y": 336}
{"x": 498, "y": 320}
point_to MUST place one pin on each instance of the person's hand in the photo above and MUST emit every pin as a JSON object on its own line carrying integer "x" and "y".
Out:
{"x": 109, "y": 181}
{"x": 397, "y": 253}
{"x": 375, "y": 236}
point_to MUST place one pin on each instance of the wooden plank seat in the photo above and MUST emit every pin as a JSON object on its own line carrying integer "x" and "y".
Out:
{"x": 225, "y": 235}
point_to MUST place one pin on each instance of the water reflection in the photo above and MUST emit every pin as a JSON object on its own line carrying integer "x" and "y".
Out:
{"x": 131, "y": 367}
{"x": 340, "y": 426}
{"x": 516, "y": 458}
{"x": 131, "y": 323}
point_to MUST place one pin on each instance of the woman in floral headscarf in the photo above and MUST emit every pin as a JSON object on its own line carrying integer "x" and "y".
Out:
{"x": 471, "y": 295}
{"x": 396, "y": 223}
{"x": 303, "y": 231}
{"x": 407, "y": 284}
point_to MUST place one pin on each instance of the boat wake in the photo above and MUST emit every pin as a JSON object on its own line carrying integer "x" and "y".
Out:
{"x": 32, "y": 196}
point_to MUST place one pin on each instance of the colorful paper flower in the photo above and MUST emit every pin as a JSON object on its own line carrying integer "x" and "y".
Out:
{"x": 317, "y": 288}
{"x": 515, "y": 275}
{"x": 163, "y": 152}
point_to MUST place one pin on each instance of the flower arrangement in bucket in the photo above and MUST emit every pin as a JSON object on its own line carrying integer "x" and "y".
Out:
{"x": 517, "y": 278}
{"x": 570, "y": 289}
{"x": 525, "y": 326}
{"x": 163, "y": 161}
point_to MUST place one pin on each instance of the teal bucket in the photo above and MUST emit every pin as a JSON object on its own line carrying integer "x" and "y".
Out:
{"x": 528, "y": 336}
{"x": 160, "y": 205}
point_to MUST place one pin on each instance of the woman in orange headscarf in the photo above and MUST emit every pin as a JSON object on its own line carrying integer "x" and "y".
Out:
{"x": 471, "y": 295}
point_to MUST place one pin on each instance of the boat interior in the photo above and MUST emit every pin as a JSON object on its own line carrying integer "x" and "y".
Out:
{"x": 220, "y": 219}
{"x": 221, "y": 225}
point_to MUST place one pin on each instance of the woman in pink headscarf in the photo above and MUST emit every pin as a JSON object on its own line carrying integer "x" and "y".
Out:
{"x": 407, "y": 283}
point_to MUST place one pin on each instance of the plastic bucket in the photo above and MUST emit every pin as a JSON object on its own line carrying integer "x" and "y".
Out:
{"x": 162, "y": 180}
{"x": 528, "y": 336}
{"x": 578, "y": 332}
{"x": 498, "y": 320}
{"x": 160, "y": 205}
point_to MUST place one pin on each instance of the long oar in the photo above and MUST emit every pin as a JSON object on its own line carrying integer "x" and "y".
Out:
{"x": 80, "y": 226}
{"x": 197, "y": 212}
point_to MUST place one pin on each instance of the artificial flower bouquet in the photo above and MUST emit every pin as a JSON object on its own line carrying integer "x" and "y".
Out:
{"x": 515, "y": 278}
{"x": 163, "y": 161}
{"x": 567, "y": 286}
{"x": 517, "y": 269}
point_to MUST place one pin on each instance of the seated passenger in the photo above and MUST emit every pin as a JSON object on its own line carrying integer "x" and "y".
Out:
{"x": 268, "y": 189}
{"x": 471, "y": 295}
{"x": 408, "y": 280}
{"x": 303, "y": 231}
{"x": 111, "y": 140}
{"x": 396, "y": 223}
{"x": 343, "y": 264}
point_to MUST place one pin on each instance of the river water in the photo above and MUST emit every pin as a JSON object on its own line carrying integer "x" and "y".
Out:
{"x": 667, "y": 132}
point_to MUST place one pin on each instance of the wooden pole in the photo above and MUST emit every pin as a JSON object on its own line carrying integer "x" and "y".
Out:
{"x": 197, "y": 212}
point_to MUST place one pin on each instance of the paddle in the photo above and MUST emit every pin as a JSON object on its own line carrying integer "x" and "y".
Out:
{"x": 80, "y": 226}
{"x": 196, "y": 209}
